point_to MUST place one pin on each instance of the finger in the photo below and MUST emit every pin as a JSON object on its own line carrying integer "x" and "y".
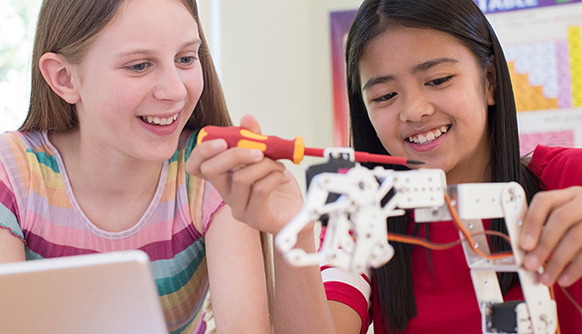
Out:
{"x": 262, "y": 192}
{"x": 219, "y": 168}
{"x": 559, "y": 221}
{"x": 563, "y": 254}
{"x": 573, "y": 272}
{"x": 203, "y": 152}
{"x": 263, "y": 188}
{"x": 540, "y": 208}
{"x": 245, "y": 179}
{"x": 250, "y": 123}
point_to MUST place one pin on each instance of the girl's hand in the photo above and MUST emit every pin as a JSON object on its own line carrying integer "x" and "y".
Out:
{"x": 552, "y": 234}
{"x": 261, "y": 192}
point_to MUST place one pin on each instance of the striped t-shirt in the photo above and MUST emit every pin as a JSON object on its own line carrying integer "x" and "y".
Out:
{"x": 38, "y": 206}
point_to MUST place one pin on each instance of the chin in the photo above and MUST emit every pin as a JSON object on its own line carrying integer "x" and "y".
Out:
{"x": 160, "y": 156}
{"x": 160, "y": 153}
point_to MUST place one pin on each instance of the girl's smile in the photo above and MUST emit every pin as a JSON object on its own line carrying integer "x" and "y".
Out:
{"x": 160, "y": 125}
{"x": 424, "y": 139}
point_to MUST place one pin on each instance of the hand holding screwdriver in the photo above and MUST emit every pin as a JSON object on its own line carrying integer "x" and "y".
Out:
{"x": 277, "y": 148}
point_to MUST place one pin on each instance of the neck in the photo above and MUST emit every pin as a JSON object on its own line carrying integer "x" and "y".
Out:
{"x": 112, "y": 189}
{"x": 105, "y": 173}
{"x": 477, "y": 169}
{"x": 478, "y": 175}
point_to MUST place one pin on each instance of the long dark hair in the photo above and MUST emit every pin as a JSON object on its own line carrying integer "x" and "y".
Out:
{"x": 465, "y": 21}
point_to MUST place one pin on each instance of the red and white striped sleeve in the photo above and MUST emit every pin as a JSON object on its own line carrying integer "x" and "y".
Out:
{"x": 349, "y": 288}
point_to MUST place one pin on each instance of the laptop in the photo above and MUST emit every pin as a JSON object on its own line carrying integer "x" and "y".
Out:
{"x": 84, "y": 294}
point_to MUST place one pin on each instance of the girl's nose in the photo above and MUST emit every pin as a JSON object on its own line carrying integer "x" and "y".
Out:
{"x": 416, "y": 106}
{"x": 170, "y": 86}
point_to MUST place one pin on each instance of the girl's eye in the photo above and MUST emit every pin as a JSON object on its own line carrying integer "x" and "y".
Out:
{"x": 385, "y": 97}
{"x": 440, "y": 81}
{"x": 139, "y": 67}
{"x": 186, "y": 60}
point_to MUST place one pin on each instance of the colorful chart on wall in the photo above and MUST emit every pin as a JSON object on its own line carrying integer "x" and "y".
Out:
{"x": 543, "y": 46}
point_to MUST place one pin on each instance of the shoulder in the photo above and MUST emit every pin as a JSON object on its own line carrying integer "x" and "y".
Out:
{"x": 23, "y": 141}
{"x": 203, "y": 199}
{"x": 557, "y": 167}
{"x": 29, "y": 139}
{"x": 19, "y": 147}
{"x": 12, "y": 143}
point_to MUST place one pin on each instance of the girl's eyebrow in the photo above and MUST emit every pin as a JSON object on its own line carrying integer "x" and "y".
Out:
{"x": 134, "y": 51}
{"x": 431, "y": 63}
{"x": 378, "y": 80}
{"x": 418, "y": 68}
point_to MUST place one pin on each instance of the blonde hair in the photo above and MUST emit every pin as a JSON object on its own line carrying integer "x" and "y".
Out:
{"x": 68, "y": 27}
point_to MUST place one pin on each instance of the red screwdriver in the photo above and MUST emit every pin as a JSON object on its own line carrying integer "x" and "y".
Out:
{"x": 277, "y": 148}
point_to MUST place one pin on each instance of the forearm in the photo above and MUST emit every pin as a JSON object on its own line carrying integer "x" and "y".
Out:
{"x": 300, "y": 302}
{"x": 239, "y": 301}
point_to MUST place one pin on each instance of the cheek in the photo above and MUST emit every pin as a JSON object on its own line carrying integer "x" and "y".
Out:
{"x": 122, "y": 99}
{"x": 110, "y": 92}
{"x": 386, "y": 125}
{"x": 116, "y": 105}
{"x": 195, "y": 84}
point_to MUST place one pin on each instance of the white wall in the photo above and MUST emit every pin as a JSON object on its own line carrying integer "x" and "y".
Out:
{"x": 276, "y": 65}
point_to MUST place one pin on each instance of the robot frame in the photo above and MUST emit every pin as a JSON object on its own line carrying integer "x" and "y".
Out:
{"x": 356, "y": 204}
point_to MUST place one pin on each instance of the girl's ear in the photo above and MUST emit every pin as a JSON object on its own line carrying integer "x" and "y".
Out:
{"x": 57, "y": 73}
{"x": 491, "y": 83}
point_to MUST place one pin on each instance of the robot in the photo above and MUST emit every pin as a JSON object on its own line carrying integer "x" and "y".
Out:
{"x": 355, "y": 205}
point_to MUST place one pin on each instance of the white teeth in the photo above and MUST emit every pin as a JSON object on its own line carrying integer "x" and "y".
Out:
{"x": 160, "y": 121}
{"x": 429, "y": 136}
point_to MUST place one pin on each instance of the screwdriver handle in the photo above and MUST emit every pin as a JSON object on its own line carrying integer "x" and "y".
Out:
{"x": 272, "y": 146}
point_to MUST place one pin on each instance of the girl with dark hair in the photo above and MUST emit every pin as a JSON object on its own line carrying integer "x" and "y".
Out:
{"x": 427, "y": 80}
{"x": 118, "y": 88}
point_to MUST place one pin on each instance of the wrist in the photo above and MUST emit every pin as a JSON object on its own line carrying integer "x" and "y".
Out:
{"x": 306, "y": 239}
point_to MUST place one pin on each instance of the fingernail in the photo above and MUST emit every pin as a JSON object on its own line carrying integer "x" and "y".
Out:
{"x": 564, "y": 280}
{"x": 528, "y": 242}
{"x": 531, "y": 262}
{"x": 546, "y": 279}
{"x": 256, "y": 153}
{"x": 219, "y": 144}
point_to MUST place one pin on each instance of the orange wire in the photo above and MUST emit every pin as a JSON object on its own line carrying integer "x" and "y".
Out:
{"x": 457, "y": 222}
{"x": 553, "y": 296}
{"x": 422, "y": 242}
{"x": 407, "y": 239}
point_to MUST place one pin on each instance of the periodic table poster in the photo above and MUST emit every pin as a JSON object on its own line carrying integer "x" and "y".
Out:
{"x": 543, "y": 46}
